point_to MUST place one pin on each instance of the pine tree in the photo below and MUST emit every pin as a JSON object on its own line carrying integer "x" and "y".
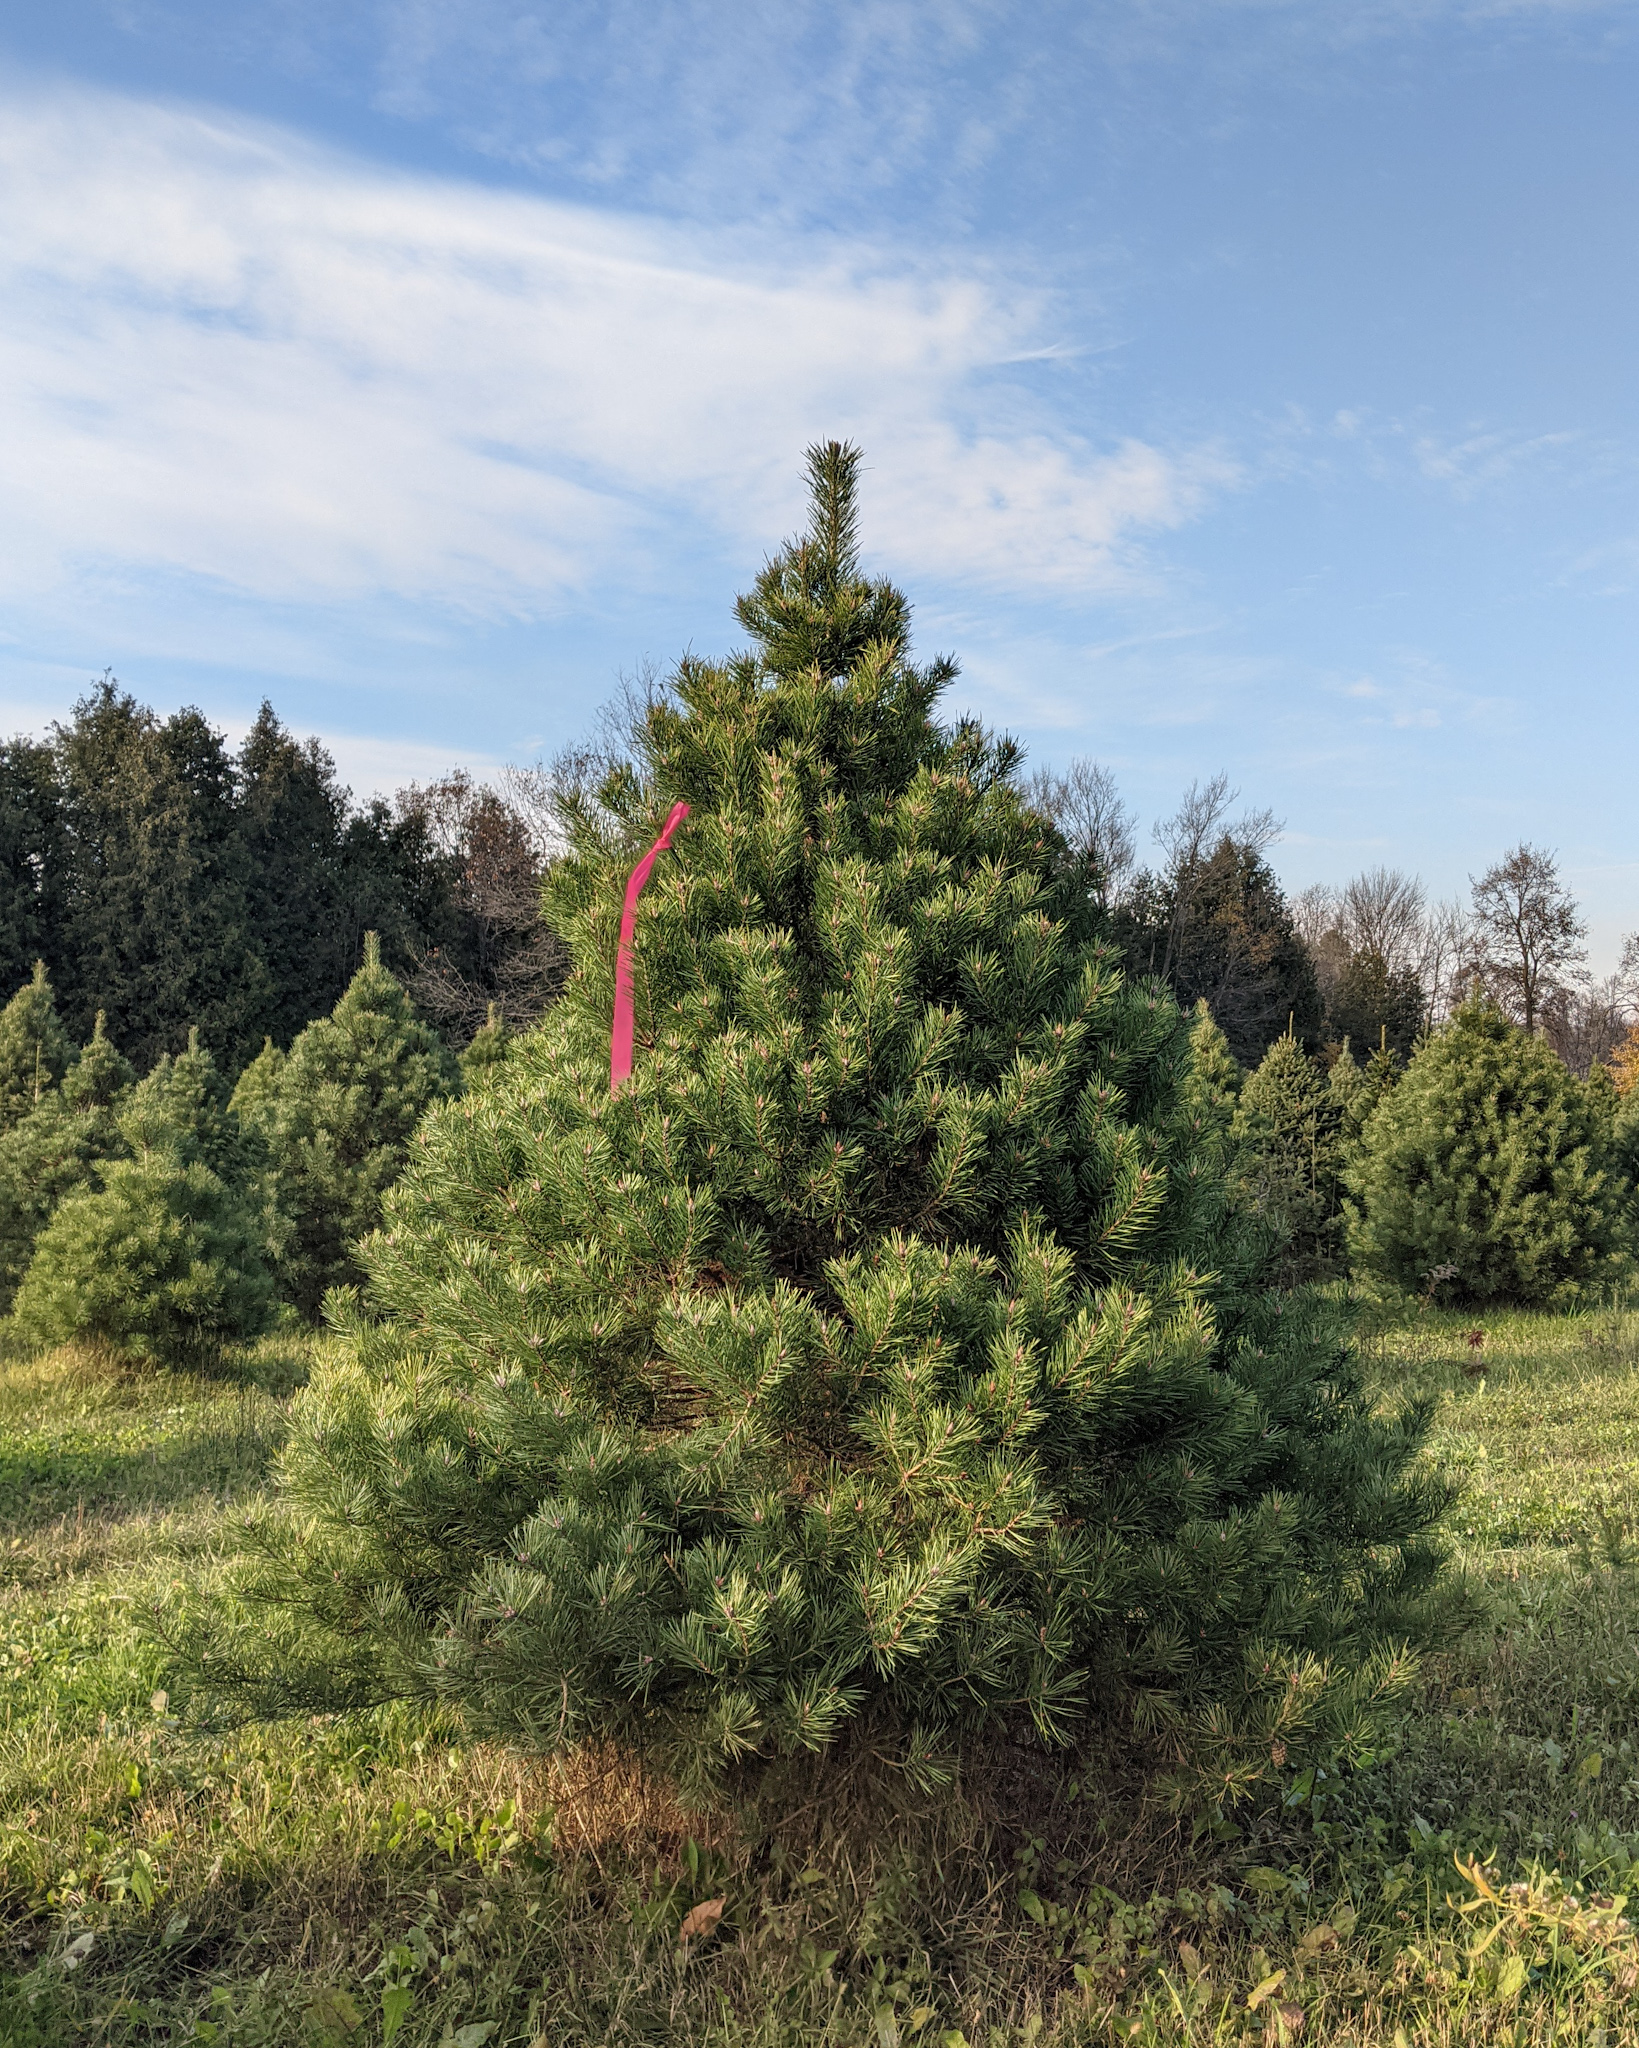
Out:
{"x": 184, "y": 1106}
{"x": 336, "y": 1118}
{"x": 1488, "y": 1165}
{"x": 34, "y": 1048}
{"x": 165, "y": 1259}
{"x": 1213, "y": 1080}
{"x": 867, "y": 1360}
{"x": 56, "y": 1149}
{"x": 490, "y": 1045}
{"x": 1288, "y": 1137}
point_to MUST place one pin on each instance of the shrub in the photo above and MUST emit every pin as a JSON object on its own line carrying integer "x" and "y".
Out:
{"x": 1488, "y": 1165}
{"x": 882, "y": 1357}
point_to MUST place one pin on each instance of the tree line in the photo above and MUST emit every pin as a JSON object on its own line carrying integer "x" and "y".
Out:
{"x": 171, "y": 883}
{"x": 1369, "y": 964}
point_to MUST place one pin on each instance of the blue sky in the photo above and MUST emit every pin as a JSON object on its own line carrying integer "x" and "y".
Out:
{"x": 1244, "y": 385}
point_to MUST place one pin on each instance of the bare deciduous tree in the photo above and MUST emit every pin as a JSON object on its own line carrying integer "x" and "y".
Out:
{"x": 1447, "y": 947}
{"x": 1085, "y": 805}
{"x": 1527, "y": 940}
{"x": 504, "y": 954}
{"x": 1382, "y": 912}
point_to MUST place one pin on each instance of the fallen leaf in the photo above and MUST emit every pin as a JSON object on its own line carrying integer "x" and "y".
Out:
{"x": 77, "y": 1950}
{"x": 1291, "y": 2020}
{"x": 701, "y": 1919}
{"x": 1266, "y": 1989}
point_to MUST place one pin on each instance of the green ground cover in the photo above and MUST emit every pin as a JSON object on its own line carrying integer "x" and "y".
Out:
{"x": 386, "y": 1881}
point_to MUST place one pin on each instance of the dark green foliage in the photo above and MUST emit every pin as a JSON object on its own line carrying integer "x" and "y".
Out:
{"x": 335, "y": 1121}
{"x": 169, "y": 883}
{"x": 1372, "y": 1005}
{"x": 156, "y": 925}
{"x": 490, "y": 1045}
{"x": 31, "y": 858}
{"x": 1485, "y": 1175}
{"x": 56, "y": 1149}
{"x": 34, "y": 1048}
{"x": 1218, "y": 930}
{"x": 885, "y": 1355}
{"x": 1287, "y": 1133}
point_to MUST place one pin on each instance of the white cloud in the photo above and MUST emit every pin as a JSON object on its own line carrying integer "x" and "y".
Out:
{"x": 227, "y": 354}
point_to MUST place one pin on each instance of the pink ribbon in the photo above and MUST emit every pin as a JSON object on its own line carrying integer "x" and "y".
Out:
{"x": 620, "y": 1040}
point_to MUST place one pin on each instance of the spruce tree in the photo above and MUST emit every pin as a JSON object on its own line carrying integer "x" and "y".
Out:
{"x": 867, "y": 1361}
{"x": 1487, "y": 1164}
{"x": 34, "y": 1048}
{"x": 1287, "y": 1135}
{"x": 57, "y": 1149}
{"x": 336, "y": 1118}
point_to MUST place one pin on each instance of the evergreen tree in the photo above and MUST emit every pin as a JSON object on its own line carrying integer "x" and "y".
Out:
{"x": 880, "y": 1354}
{"x": 291, "y": 817}
{"x": 156, "y": 929}
{"x": 1212, "y": 1082}
{"x": 184, "y": 1106}
{"x": 336, "y": 1118}
{"x": 31, "y": 859}
{"x": 34, "y": 1048}
{"x": 490, "y": 1045}
{"x": 1288, "y": 1150}
{"x": 1487, "y": 1160}
{"x": 57, "y": 1149}
{"x": 1218, "y": 929}
{"x": 1373, "y": 1004}
{"x": 164, "y": 1260}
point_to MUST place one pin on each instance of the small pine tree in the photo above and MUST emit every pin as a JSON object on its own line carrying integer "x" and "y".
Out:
{"x": 866, "y": 1361}
{"x": 1212, "y": 1080}
{"x": 183, "y": 1106}
{"x": 56, "y": 1150}
{"x": 490, "y": 1045}
{"x": 34, "y": 1048}
{"x": 256, "y": 1092}
{"x": 336, "y": 1118}
{"x": 165, "y": 1260}
{"x": 1488, "y": 1163}
{"x": 1287, "y": 1135}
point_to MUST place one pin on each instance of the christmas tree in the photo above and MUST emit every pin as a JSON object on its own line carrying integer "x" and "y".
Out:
{"x": 57, "y": 1149}
{"x": 1487, "y": 1166}
{"x": 1287, "y": 1134}
{"x": 165, "y": 1259}
{"x": 335, "y": 1119}
{"x": 34, "y": 1048}
{"x": 865, "y": 1363}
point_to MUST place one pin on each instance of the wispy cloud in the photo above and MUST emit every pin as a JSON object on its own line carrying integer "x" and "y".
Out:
{"x": 227, "y": 354}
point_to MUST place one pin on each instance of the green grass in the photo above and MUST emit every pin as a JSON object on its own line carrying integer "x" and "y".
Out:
{"x": 385, "y": 1880}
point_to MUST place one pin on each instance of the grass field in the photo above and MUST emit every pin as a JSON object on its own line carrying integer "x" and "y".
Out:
{"x": 386, "y": 1881}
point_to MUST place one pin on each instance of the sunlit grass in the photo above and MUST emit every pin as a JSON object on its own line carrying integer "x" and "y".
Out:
{"x": 385, "y": 1879}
